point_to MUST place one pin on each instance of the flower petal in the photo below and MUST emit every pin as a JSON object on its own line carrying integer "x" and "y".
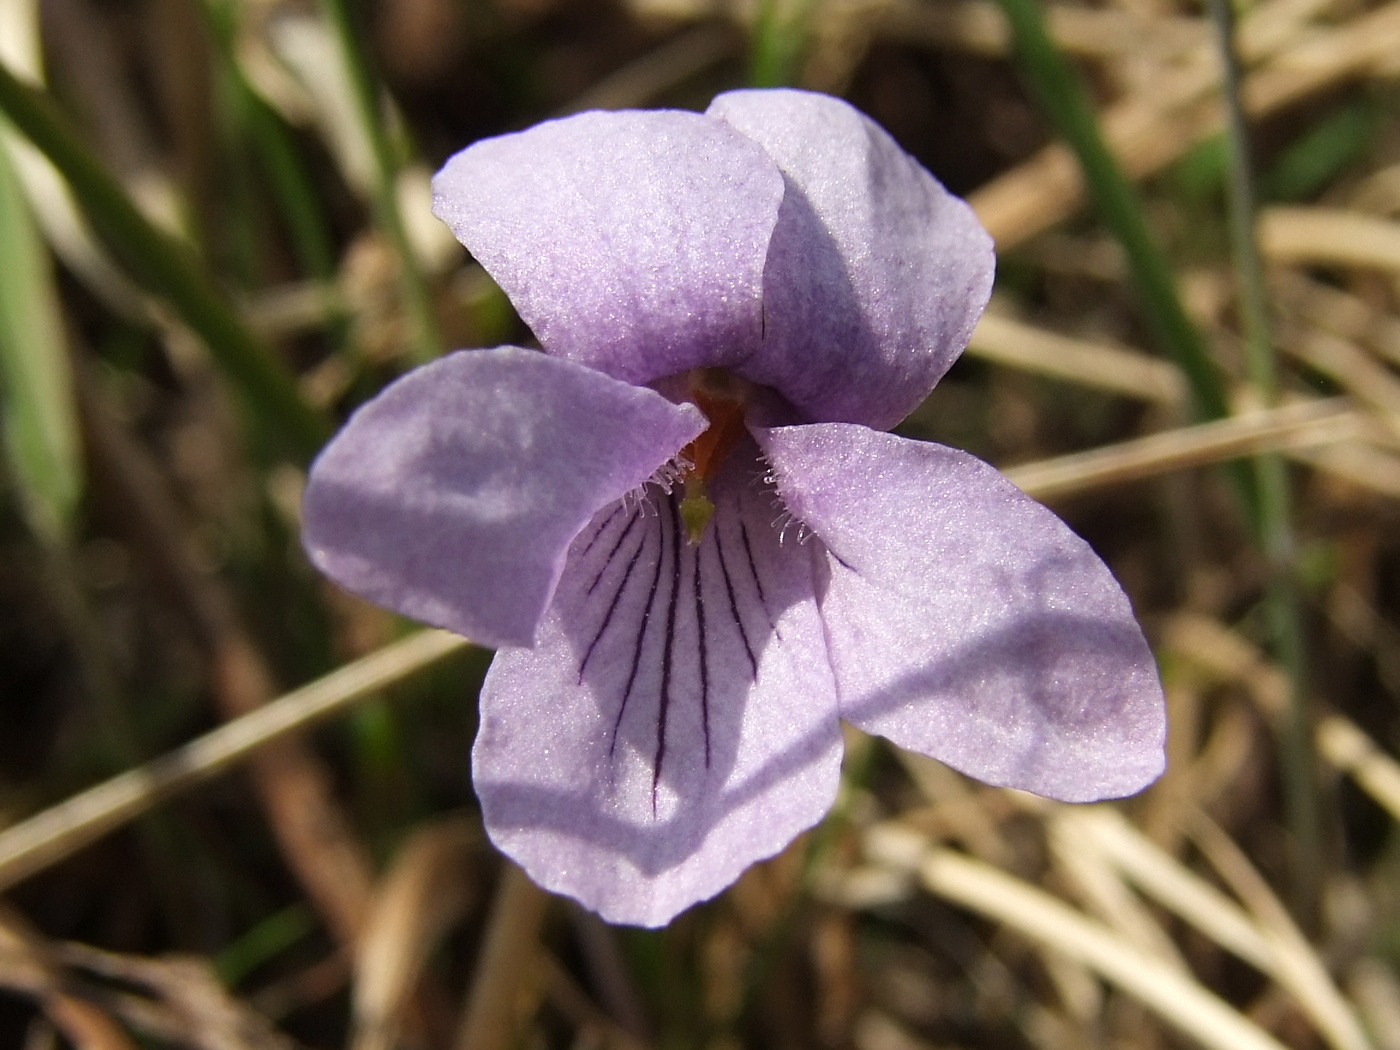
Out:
{"x": 966, "y": 621}
{"x": 676, "y": 720}
{"x": 453, "y": 495}
{"x": 633, "y": 242}
{"x": 876, "y": 275}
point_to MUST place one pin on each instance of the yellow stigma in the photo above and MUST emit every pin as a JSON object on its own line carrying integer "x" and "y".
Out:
{"x": 722, "y": 397}
{"x": 696, "y": 509}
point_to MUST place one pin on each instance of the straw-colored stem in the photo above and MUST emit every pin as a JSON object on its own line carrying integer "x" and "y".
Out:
{"x": 1157, "y": 985}
{"x": 1309, "y": 423}
{"x": 508, "y": 954}
{"x": 46, "y": 838}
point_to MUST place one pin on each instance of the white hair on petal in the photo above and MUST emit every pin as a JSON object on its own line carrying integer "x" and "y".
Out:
{"x": 670, "y": 474}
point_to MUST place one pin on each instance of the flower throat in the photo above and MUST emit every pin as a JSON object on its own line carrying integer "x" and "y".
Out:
{"x": 723, "y": 397}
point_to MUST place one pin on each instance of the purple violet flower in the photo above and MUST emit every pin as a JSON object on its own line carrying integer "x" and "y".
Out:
{"x": 684, "y": 524}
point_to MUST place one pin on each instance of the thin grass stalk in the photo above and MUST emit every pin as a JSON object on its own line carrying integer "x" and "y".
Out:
{"x": 778, "y": 39}
{"x": 47, "y": 837}
{"x": 427, "y": 339}
{"x": 168, "y": 270}
{"x": 1065, "y": 101}
{"x": 1175, "y": 997}
{"x": 303, "y": 205}
{"x": 776, "y": 941}
{"x": 1274, "y": 507}
{"x": 504, "y": 970}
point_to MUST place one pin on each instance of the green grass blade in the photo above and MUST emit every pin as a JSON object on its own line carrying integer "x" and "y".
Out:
{"x": 427, "y": 340}
{"x": 36, "y": 389}
{"x": 1319, "y": 156}
{"x": 168, "y": 270}
{"x": 263, "y": 943}
{"x": 1275, "y": 513}
{"x": 778, "y": 40}
{"x": 1067, "y": 104}
{"x": 303, "y": 205}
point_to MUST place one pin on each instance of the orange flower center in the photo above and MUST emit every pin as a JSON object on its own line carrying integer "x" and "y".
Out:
{"x": 723, "y": 398}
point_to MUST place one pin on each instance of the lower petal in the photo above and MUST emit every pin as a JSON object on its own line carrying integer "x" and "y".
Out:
{"x": 966, "y": 621}
{"x": 676, "y": 720}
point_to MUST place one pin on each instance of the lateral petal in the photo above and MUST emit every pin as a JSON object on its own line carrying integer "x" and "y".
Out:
{"x": 876, "y": 275}
{"x": 967, "y": 622}
{"x": 676, "y": 720}
{"x": 452, "y": 496}
{"x": 633, "y": 242}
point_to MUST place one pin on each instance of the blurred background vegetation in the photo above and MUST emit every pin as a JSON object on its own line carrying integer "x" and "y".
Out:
{"x": 215, "y": 242}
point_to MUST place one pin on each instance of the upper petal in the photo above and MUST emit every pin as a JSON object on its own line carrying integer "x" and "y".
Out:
{"x": 676, "y": 721}
{"x": 633, "y": 242}
{"x": 876, "y": 275}
{"x": 966, "y": 621}
{"x": 453, "y": 495}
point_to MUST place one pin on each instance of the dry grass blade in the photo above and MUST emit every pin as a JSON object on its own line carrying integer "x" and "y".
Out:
{"x": 316, "y": 835}
{"x": 1115, "y": 369}
{"x": 1363, "y": 466}
{"x": 979, "y": 26}
{"x": 1340, "y": 741}
{"x": 656, "y": 72}
{"x": 48, "y": 837}
{"x": 1305, "y": 424}
{"x": 1157, "y": 985}
{"x": 594, "y": 1025}
{"x": 1376, "y": 990}
{"x": 1223, "y": 652}
{"x": 1101, "y": 887}
{"x": 1297, "y": 965}
{"x": 1275, "y": 946}
{"x": 27, "y": 966}
{"x": 1054, "y": 924}
{"x": 1344, "y": 745}
{"x": 1365, "y": 378}
{"x": 186, "y": 1000}
{"x": 1174, "y": 886}
{"x": 427, "y": 890}
{"x": 1146, "y": 134}
{"x": 306, "y": 46}
{"x": 503, "y": 973}
{"x": 876, "y": 1030}
{"x": 1329, "y": 236}
{"x": 1339, "y": 313}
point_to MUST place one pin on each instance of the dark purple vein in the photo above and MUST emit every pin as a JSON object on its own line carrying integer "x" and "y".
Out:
{"x": 667, "y": 649}
{"x": 641, "y": 637}
{"x": 704, "y": 659}
{"x": 753, "y": 567}
{"x": 733, "y": 605}
{"x": 617, "y": 595}
{"x": 621, "y": 538}
{"x": 602, "y": 527}
{"x": 758, "y": 583}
